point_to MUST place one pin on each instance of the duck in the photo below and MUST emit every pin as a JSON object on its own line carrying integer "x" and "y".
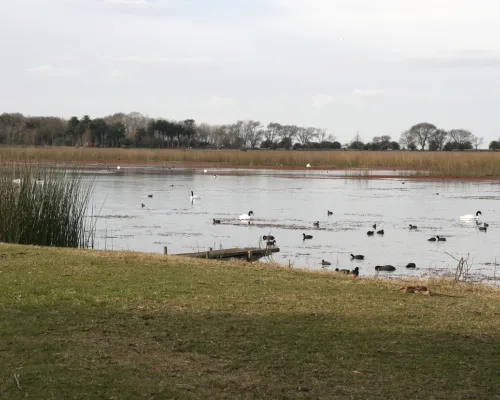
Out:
{"x": 385, "y": 268}
{"x": 247, "y": 216}
{"x": 325, "y": 263}
{"x": 483, "y": 228}
{"x": 329, "y": 212}
{"x": 472, "y": 217}
{"x": 357, "y": 257}
{"x": 307, "y": 236}
{"x": 143, "y": 205}
{"x": 485, "y": 224}
{"x": 432, "y": 239}
{"x": 441, "y": 239}
{"x": 268, "y": 237}
{"x": 216, "y": 221}
{"x": 380, "y": 232}
{"x": 193, "y": 196}
{"x": 413, "y": 226}
{"x": 316, "y": 224}
{"x": 411, "y": 265}
{"x": 271, "y": 242}
{"x": 342, "y": 271}
{"x": 355, "y": 272}
{"x": 374, "y": 226}
{"x": 151, "y": 196}
{"x": 370, "y": 233}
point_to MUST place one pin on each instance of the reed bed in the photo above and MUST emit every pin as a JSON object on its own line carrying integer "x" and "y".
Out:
{"x": 453, "y": 164}
{"x": 43, "y": 206}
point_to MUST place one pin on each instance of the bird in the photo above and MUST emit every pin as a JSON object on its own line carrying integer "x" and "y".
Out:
{"x": 485, "y": 224}
{"x": 215, "y": 176}
{"x": 308, "y": 165}
{"x": 150, "y": 196}
{"x": 216, "y": 221}
{"x": 483, "y": 228}
{"x": 247, "y": 216}
{"x": 441, "y": 239}
{"x": 316, "y": 224}
{"x": 411, "y": 265}
{"x": 325, "y": 263}
{"x": 143, "y": 205}
{"x": 307, "y": 236}
{"x": 355, "y": 272}
{"x": 385, "y": 268}
{"x": 374, "y": 226}
{"x": 472, "y": 217}
{"x": 193, "y": 196}
{"x": 432, "y": 239}
{"x": 380, "y": 232}
{"x": 329, "y": 212}
{"x": 268, "y": 237}
{"x": 271, "y": 242}
{"x": 342, "y": 271}
{"x": 357, "y": 257}
{"x": 413, "y": 226}
{"x": 370, "y": 233}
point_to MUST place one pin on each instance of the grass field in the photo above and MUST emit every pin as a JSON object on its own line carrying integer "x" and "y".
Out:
{"x": 473, "y": 164}
{"x": 80, "y": 324}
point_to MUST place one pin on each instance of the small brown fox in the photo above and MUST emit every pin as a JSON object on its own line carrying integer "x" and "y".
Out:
{"x": 416, "y": 289}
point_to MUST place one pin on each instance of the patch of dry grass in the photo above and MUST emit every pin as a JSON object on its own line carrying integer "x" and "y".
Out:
{"x": 474, "y": 164}
{"x": 96, "y": 324}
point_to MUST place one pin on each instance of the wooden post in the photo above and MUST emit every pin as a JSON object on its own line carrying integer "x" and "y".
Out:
{"x": 165, "y": 250}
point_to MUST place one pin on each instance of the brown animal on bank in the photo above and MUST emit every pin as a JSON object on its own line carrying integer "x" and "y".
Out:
{"x": 416, "y": 289}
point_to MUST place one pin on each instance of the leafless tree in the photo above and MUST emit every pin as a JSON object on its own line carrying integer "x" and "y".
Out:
{"x": 460, "y": 136}
{"x": 289, "y": 132}
{"x": 422, "y": 132}
{"x": 273, "y": 131}
{"x": 408, "y": 139}
{"x": 252, "y": 133}
{"x": 305, "y": 135}
{"x": 477, "y": 141}
{"x": 437, "y": 139}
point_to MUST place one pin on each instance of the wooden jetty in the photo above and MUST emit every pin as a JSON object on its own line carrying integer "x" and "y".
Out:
{"x": 249, "y": 254}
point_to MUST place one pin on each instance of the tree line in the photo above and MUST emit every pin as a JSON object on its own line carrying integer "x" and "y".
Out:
{"x": 136, "y": 130}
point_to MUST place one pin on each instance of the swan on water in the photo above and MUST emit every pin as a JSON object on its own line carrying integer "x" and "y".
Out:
{"x": 247, "y": 216}
{"x": 472, "y": 217}
{"x": 193, "y": 196}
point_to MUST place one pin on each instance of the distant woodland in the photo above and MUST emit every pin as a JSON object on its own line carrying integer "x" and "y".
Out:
{"x": 136, "y": 130}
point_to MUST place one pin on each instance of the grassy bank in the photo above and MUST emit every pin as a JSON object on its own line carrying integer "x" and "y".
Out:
{"x": 476, "y": 164}
{"x": 91, "y": 324}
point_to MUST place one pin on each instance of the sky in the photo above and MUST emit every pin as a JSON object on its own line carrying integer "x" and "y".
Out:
{"x": 366, "y": 66}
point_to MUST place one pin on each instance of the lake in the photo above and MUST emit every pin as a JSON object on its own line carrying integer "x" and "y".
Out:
{"x": 286, "y": 204}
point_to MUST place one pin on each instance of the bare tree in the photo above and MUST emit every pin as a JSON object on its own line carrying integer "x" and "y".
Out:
{"x": 408, "y": 139}
{"x": 422, "y": 132}
{"x": 203, "y": 132}
{"x": 289, "y": 132}
{"x": 236, "y": 134}
{"x": 477, "y": 141}
{"x": 437, "y": 139}
{"x": 252, "y": 133}
{"x": 273, "y": 131}
{"x": 460, "y": 136}
{"x": 331, "y": 138}
{"x": 305, "y": 135}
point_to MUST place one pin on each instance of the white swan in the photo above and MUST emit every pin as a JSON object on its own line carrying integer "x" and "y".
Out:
{"x": 472, "y": 217}
{"x": 247, "y": 216}
{"x": 194, "y": 197}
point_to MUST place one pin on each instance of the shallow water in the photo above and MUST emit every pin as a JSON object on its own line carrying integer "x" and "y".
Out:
{"x": 286, "y": 208}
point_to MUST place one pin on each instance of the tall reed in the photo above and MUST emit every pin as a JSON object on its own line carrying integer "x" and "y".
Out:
{"x": 44, "y": 206}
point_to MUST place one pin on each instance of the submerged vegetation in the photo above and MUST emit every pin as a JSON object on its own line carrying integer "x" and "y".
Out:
{"x": 44, "y": 206}
{"x": 450, "y": 164}
{"x": 96, "y": 324}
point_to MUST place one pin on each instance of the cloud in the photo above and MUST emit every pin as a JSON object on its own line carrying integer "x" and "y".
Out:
{"x": 49, "y": 70}
{"x": 145, "y": 3}
{"x": 366, "y": 92}
{"x": 456, "y": 61}
{"x": 154, "y": 60}
{"x": 219, "y": 102}
{"x": 321, "y": 100}
{"x": 115, "y": 74}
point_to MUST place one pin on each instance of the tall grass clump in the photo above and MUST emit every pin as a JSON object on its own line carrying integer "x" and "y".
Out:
{"x": 43, "y": 206}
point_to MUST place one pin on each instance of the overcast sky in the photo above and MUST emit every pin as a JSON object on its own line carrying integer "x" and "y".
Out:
{"x": 372, "y": 66}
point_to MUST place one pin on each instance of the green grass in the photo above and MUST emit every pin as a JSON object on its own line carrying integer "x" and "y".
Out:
{"x": 80, "y": 324}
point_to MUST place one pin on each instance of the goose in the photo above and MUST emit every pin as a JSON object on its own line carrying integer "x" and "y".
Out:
{"x": 316, "y": 224}
{"x": 271, "y": 242}
{"x": 150, "y": 195}
{"x": 432, "y": 239}
{"x": 441, "y": 239}
{"x": 355, "y": 272}
{"x": 342, "y": 271}
{"x": 413, "y": 226}
{"x": 472, "y": 217}
{"x": 325, "y": 263}
{"x": 307, "y": 236}
{"x": 216, "y": 221}
{"x": 485, "y": 224}
{"x": 411, "y": 265}
{"x": 247, "y": 216}
{"x": 483, "y": 228}
{"x": 268, "y": 237}
{"x": 370, "y": 233}
{"x": 329, "y": 212}
{"x": 380, "y": 232}
{"x": 357, "y": 257}
{"x": 193, "y": 196}
{"x": 385, "y": 268}
{"x": 143, "y": 205}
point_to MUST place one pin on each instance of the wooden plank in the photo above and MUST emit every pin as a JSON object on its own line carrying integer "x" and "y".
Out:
{"x": 248, "y": 253}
